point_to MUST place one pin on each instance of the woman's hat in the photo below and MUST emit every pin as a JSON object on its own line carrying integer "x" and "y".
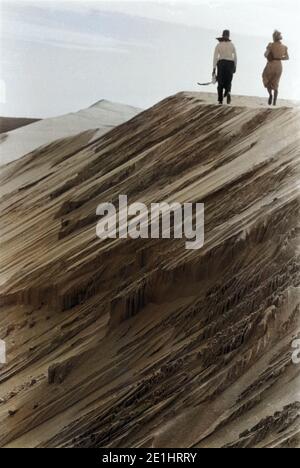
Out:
{"x": 225, "y": 36}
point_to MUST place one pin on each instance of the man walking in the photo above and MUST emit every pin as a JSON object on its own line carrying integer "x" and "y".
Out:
{"x": 225, "y": 59}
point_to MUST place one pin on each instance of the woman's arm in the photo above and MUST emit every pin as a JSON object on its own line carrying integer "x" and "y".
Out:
{"x": 216, "y": 58}
{"x": 235, "y": 58}
{"x": 286, "y": 55}
{"x": 268, "y": 51}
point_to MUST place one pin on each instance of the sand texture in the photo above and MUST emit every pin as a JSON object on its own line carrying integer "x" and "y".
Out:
{"x": 142, "y": 343}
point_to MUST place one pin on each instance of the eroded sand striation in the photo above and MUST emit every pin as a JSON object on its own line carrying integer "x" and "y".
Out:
{"x": 143, "y": 343}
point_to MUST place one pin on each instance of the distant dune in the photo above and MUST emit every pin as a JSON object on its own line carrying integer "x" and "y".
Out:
{"x": 102, "y": 116}
{"x": 142, "y": 343}
{"x": 7, "y": 124}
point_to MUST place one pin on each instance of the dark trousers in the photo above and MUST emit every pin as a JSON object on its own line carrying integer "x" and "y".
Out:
{"x": 225, "y": 77}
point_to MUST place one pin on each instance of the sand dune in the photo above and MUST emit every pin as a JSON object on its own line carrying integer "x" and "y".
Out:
{"x": 245, "y": 101}
{"x": 103, "y": 116}
{"x": 7, "y": 124}
{"x": 144, "y": 343}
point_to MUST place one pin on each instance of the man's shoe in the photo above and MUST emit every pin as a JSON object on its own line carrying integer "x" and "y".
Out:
{"x": 228, "y": 98}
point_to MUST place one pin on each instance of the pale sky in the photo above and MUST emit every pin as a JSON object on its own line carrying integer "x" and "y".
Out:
{"x": 58, "y": 57}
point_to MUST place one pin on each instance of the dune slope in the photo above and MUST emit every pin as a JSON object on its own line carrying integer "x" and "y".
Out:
{"x": 103, "y": 116}
{"x": 7, "y": 124}
{"x": 144, "y": 343}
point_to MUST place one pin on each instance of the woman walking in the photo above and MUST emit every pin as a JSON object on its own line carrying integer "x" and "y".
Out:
{"x": 275, "y": 53}
{"x": 225, "y": 58}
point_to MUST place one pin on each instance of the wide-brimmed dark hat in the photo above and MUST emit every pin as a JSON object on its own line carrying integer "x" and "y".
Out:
{"x": 225, "y": 36}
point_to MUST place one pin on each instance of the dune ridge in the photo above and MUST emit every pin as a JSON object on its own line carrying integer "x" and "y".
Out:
{"x": 143, "y": 343}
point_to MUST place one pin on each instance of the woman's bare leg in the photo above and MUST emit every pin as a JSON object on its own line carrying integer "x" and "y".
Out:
{"x": 270, "y": 96}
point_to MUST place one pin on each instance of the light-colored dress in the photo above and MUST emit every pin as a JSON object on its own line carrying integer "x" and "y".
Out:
{"x": 275, "y": 53}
